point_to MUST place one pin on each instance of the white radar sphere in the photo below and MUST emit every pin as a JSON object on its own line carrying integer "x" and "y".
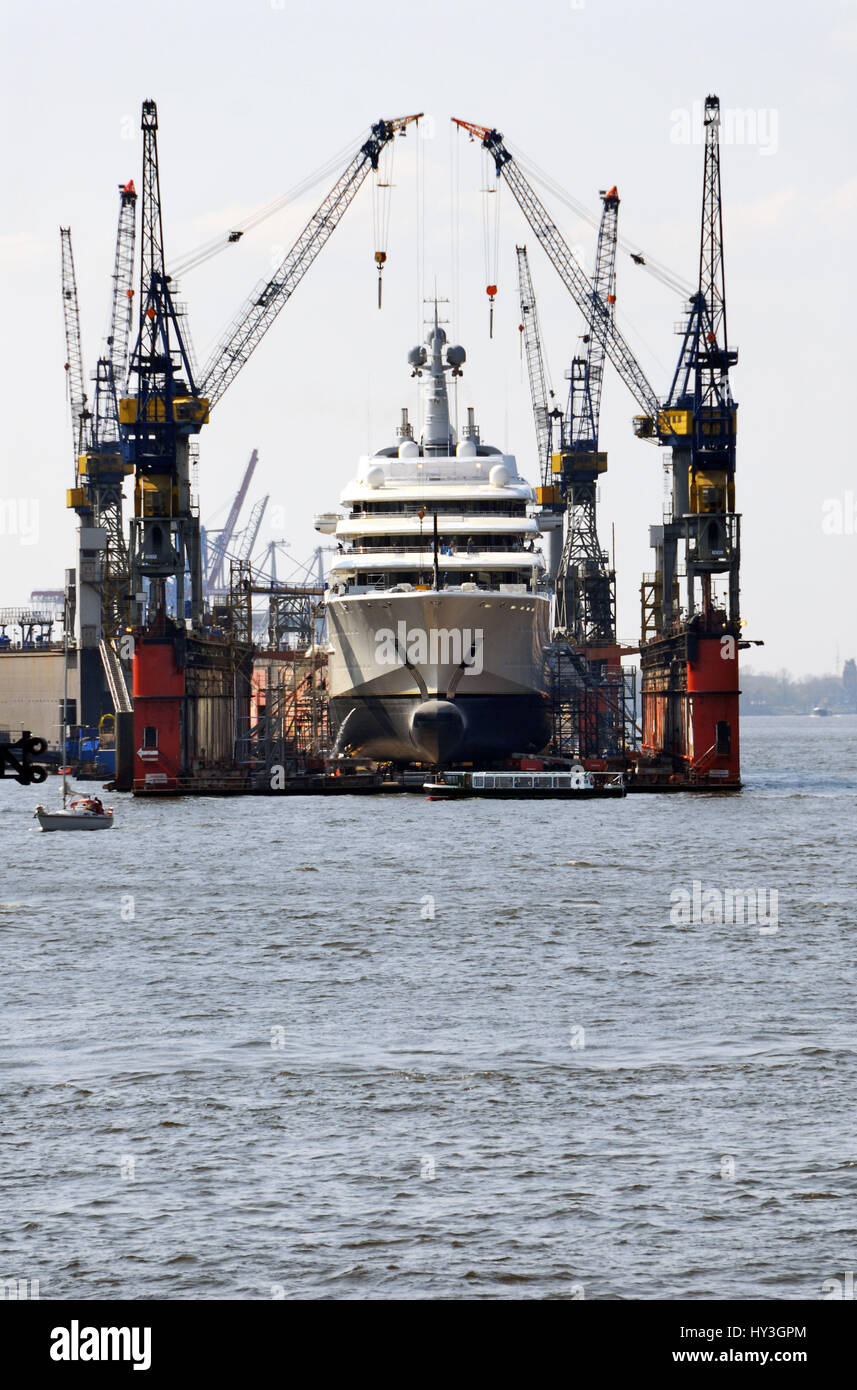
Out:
{"x": 499, "y": 475}
{"x": 375, "y": 476}
{"x": 409, "y": 449}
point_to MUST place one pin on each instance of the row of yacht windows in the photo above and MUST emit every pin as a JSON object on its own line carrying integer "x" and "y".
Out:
{"x": 449, "y": 545}
{"x": 483, "y": 579}
{"x": 449, "y": 508}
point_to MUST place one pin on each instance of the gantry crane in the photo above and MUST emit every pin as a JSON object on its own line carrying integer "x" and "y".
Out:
{"x": 171, "y": 403}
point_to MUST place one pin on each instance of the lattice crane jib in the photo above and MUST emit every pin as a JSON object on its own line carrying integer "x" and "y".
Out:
{"x": 251, "y": 531}
{"x": 80, "y": 414}
{"x": 568, "y": 268}
{"x": 535, "y": 364}
{"x": 167, "y": 404}
{"x": 584, "y": 423}
{"x": 714, "y": 433}
{"x": 259, "y": 312}
{"x": 112, "y": 366}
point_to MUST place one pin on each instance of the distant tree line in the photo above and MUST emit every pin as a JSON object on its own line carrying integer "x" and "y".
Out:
{"x": 783, "y": 693}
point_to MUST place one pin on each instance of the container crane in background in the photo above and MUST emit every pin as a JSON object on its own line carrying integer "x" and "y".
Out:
{"x": 250, "y": 534}
{"x": 214, "y": 578}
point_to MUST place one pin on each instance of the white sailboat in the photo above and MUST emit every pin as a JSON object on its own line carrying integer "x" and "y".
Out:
{"x": 82, "y": 812}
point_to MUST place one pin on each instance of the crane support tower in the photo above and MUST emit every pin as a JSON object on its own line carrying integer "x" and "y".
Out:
{"x": 586, "y": 585}
{"x": 191, "y": 669}
{"x": 689, "y": 652}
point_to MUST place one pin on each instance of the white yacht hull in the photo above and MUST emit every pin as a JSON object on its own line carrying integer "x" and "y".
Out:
{"x": 432, "y": 675}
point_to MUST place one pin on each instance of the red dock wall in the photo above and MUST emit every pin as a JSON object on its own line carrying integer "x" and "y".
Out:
{"x": 159, "y": 687}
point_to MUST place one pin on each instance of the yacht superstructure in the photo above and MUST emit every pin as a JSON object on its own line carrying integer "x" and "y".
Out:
{"x": 437, "y": 615}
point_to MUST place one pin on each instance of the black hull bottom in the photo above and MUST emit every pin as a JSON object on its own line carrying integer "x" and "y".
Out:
{"x": 472, "y": 728}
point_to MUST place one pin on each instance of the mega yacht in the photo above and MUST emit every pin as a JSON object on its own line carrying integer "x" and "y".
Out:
{"x": 437, "y": 611}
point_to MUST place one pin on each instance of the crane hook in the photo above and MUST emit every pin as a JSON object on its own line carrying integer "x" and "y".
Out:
{"x": 491, "y": 291}
{"x": 380, "y": 258}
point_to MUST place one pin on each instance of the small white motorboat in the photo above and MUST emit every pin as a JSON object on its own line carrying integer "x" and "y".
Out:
{"x": 84, "y": 813}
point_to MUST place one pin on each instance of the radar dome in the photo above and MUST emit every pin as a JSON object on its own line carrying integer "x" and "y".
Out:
{"x": 467, "y": 449}
{"x": 455, "y": 355}
{"x": 409, "y": 449}
{"x": 375, "y": 476}
{"x": 499, "y": 475}
{"x": 417, "y": 356}
{"x": 435, "y": 333}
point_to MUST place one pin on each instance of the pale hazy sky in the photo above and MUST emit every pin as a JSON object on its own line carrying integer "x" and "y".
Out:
{"x": 254, "y": 96}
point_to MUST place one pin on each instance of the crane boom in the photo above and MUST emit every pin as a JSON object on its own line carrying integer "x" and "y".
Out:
{"x": 584, "y": 427}
{"x": 535, "y": 363}
{"x": 121, "y": 310}
{"x": 80, "y": 417}
{"x": 594, "y": 310}
{"x": 251, "y": 530}
{"x": 112, "y": 367}
{"x": 257, "y": 315}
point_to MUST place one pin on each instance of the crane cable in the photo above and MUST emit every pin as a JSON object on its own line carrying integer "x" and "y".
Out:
{"x": 215, "y": 245}
{"x": 655, "y": 268}
{"x": 382, "y": 203}
{"x": 491, "y": 251}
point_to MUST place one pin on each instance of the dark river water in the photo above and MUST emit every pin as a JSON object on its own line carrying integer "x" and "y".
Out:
{"x": 385, "y": 1047}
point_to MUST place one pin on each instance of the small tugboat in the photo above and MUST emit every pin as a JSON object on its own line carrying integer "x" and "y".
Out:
{"x": 441, "y": 790}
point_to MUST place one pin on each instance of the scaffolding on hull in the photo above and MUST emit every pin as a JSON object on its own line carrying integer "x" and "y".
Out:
{"x": 594, "y": 706}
